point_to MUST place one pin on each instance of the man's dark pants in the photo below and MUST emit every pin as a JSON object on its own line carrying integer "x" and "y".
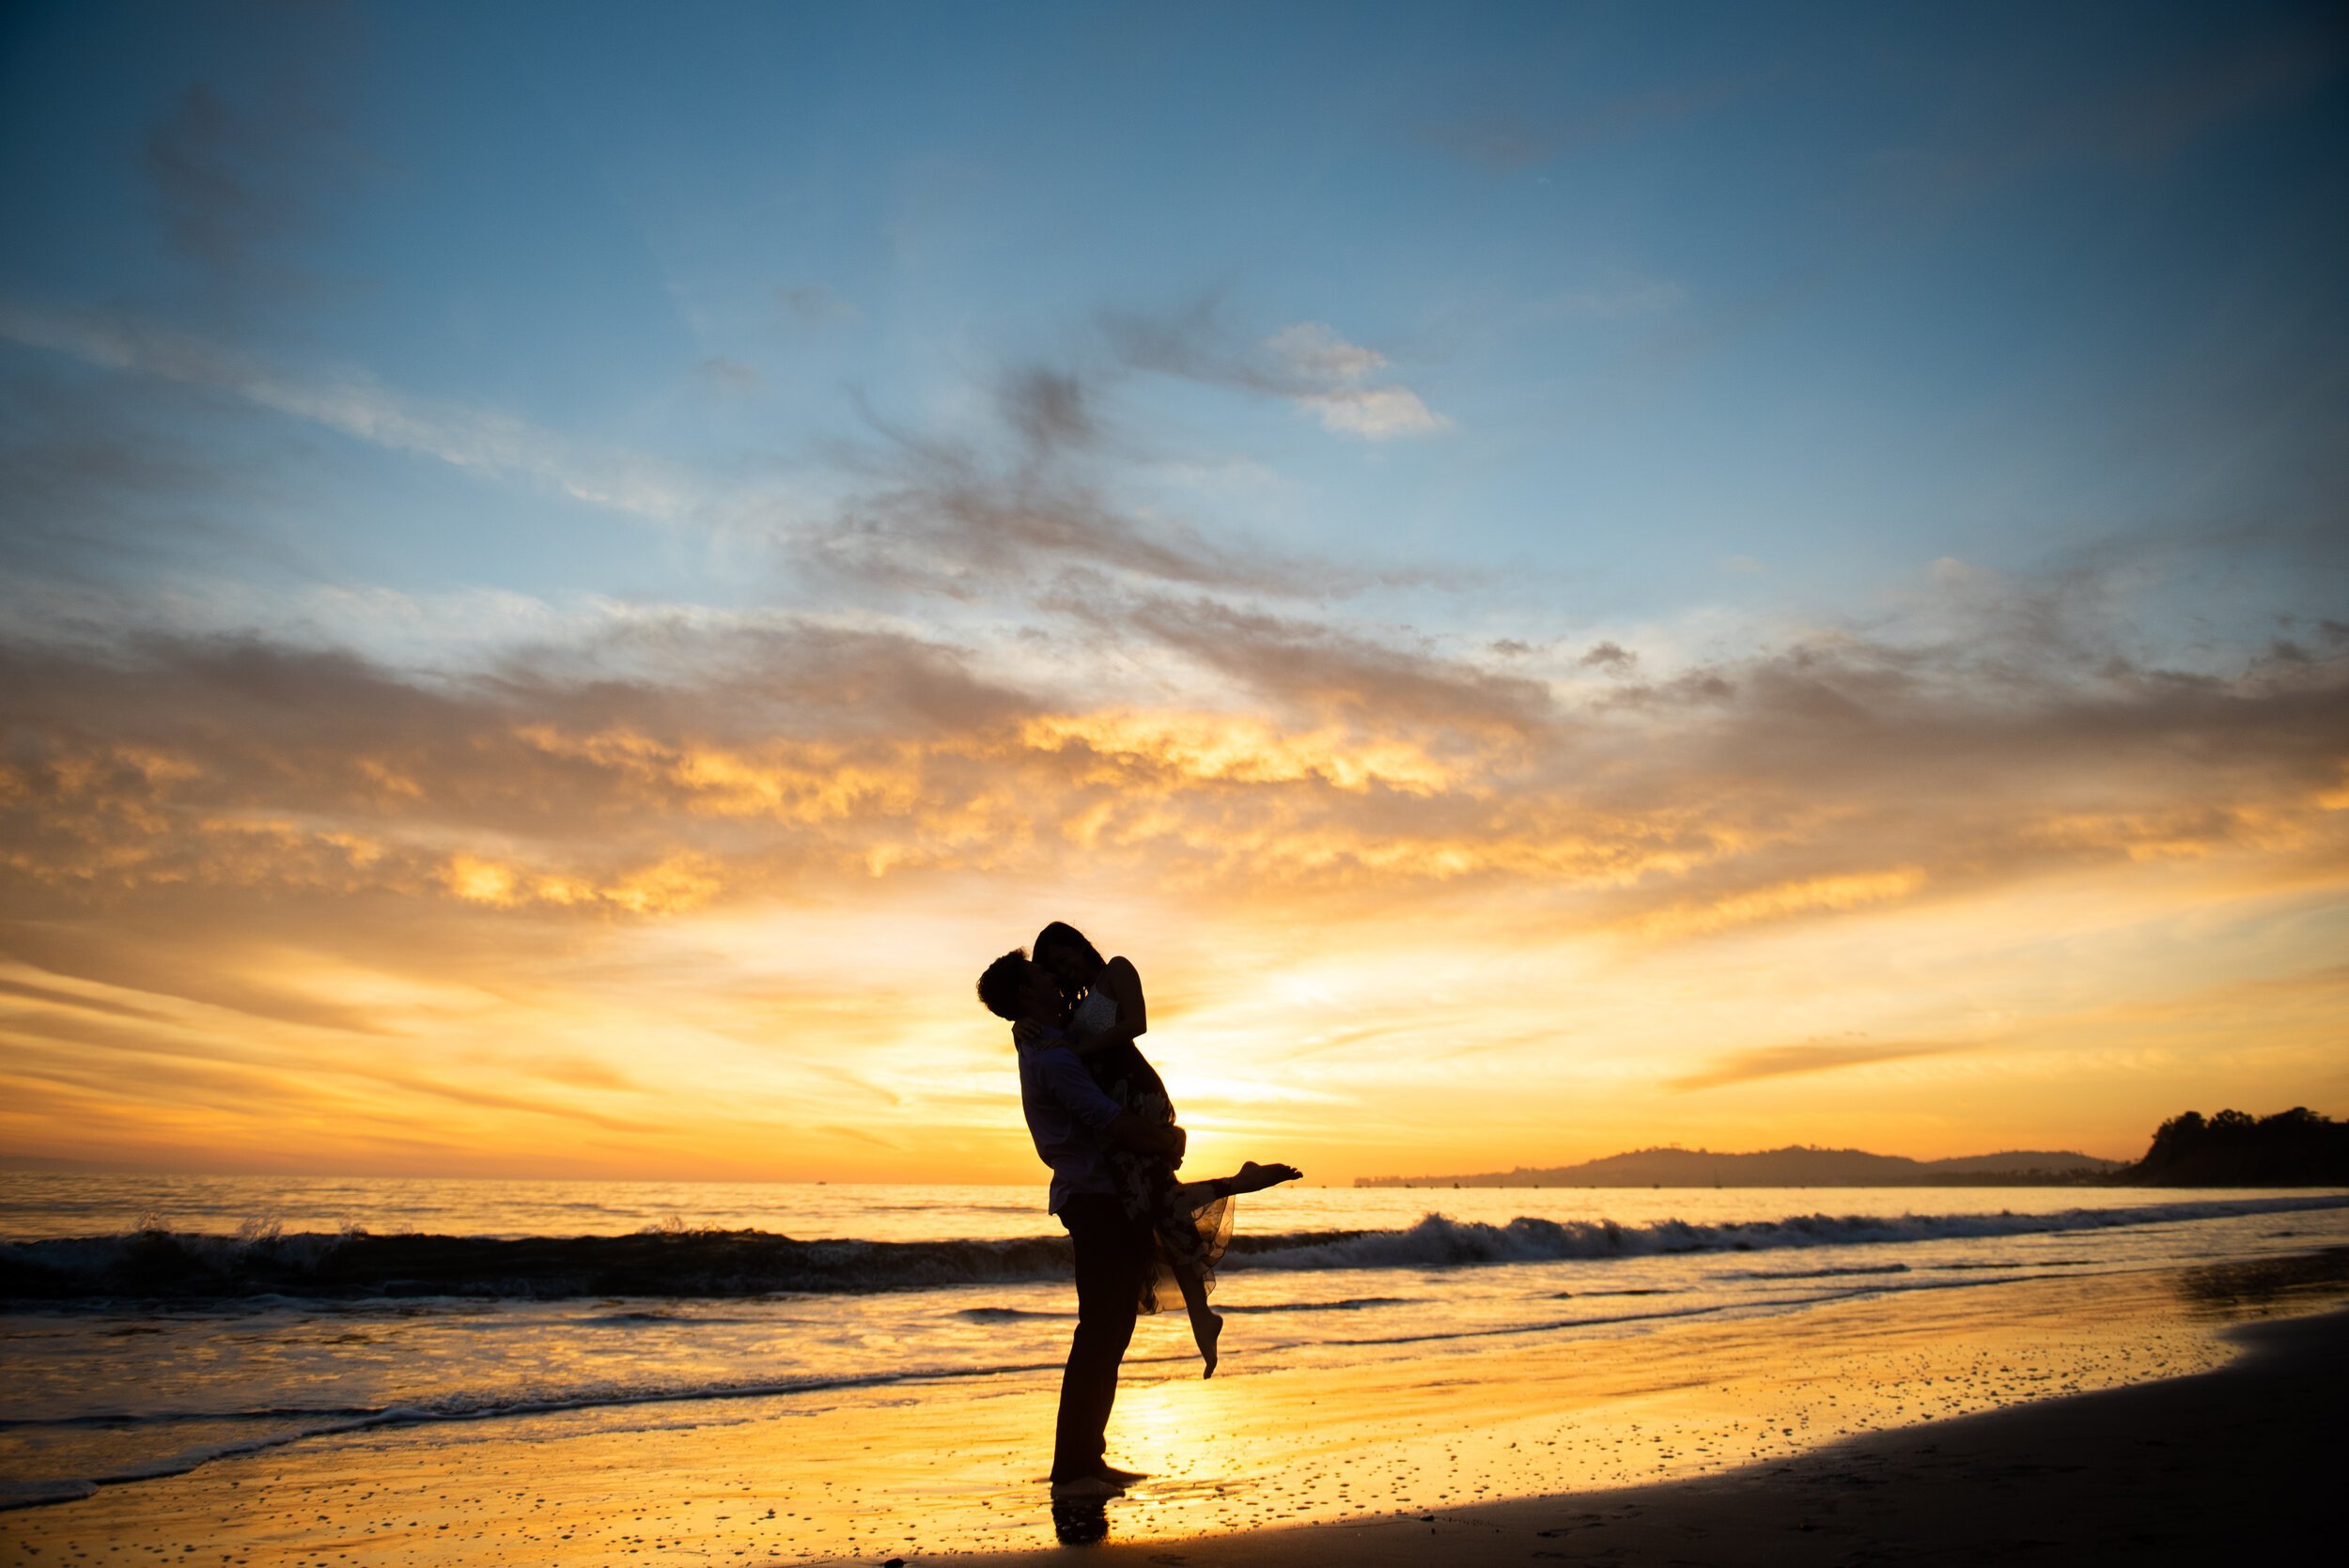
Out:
{"x": 1113, "y": 1251}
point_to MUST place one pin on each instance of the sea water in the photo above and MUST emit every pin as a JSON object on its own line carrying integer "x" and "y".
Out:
{"x": 153, "y": 1325}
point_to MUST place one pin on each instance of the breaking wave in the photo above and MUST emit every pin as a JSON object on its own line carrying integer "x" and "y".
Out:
{"x": 155, "y": 1265}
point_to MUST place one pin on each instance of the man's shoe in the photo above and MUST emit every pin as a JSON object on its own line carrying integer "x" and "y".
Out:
{"x": 1123, "y": 1477}
{"x": 1086, "y": 1489}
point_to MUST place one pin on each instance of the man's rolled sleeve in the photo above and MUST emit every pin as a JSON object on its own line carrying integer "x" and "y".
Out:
{"x": 1071, "y": 1084}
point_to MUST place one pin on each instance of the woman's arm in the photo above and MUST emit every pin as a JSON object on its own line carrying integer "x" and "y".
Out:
{"x": 1123, "y": 982}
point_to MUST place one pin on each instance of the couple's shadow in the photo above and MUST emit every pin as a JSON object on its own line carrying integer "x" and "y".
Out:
{"x": 1082, "y": 1523}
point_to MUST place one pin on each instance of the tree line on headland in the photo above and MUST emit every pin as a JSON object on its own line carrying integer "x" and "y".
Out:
{"x": 2292, "y": 1148}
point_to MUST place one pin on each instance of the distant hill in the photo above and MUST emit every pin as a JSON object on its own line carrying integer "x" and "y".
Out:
{"x": 2292, "y": 1148}
{"x": 1795, "y": 1166}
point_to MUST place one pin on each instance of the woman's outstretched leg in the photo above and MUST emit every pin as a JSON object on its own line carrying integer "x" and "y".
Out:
{"x": 1206, "y": 1324}
{"x": 1188, "y": 1198}
{"x": 1250, "y": 1177}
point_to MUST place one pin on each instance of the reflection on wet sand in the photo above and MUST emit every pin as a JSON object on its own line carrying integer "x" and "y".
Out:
{"x": 2264, "y": 1287}
{"x": 953, "y": 1465}
{"x": 1079, "y": 1523}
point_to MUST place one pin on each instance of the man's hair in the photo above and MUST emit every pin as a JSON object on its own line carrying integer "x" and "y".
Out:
{"x": 1000, "y": 985}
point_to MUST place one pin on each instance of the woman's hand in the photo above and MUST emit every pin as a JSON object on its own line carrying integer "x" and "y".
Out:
{"x": 1026, "y": 1033}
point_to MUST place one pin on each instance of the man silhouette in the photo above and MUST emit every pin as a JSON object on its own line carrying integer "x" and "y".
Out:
{"x": 1070, "y": 1119}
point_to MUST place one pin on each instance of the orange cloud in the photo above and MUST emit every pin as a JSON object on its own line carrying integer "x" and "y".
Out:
{"x": 1384, "y": 886}
{"x": 1811, "y": 1056}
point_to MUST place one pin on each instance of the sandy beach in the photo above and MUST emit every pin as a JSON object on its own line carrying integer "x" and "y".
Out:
{"x": 1964, "y": 1421}
{"x": 2224, "y": 1466}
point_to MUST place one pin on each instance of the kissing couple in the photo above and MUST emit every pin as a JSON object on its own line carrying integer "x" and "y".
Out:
{"x": 1102, "y": 1118}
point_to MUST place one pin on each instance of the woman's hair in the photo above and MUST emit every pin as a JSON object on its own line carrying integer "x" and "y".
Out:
{"x": 1061, "y": 934}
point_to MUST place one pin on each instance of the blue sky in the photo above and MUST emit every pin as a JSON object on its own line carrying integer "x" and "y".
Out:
{"x": 1833, "y": 291}
{"x": 1599, "y": 536}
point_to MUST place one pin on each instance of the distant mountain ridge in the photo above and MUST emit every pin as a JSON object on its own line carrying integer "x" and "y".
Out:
{"x": 1794, "y": 1166}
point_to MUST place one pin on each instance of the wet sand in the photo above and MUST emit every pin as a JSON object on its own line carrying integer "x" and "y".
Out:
{"x": 1795, "y": 1438}
{"x": 2240, "y": 1465}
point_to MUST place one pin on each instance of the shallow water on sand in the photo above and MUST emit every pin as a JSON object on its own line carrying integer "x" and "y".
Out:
{"x": 932, "y": 1298}
{"x": 924, "y": 1467}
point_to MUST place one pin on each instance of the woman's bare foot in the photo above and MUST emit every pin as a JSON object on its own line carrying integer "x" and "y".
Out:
{"x": 1254, "y": 1177}
{"x": 1207, "y": 1333}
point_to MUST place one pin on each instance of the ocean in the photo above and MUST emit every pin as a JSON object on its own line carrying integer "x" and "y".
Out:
{"x": 151, "y": 1325}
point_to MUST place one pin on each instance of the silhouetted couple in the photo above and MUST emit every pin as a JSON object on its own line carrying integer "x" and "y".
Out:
{"x": 1101, "y": 1120}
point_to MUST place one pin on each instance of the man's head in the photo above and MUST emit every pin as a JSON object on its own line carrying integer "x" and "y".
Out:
{"x": 1015, "y": 988}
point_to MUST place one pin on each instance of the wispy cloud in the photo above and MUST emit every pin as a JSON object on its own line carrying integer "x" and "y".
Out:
{"x": 1372, "y": 413}
{"x": 1332, "y": 379}
{"x": 483, "y": 441}
{"x": 1811, "y": 1056}
{"x": 813, "y": 304}
{"x": 1307, "y": 363}
{"x": 721, "y": 373}
{"x": 1033, "y": 500}
{"x": 220, "y": 180}
{"x": 1610, "y": 655}
{"x": 240, "y": 175}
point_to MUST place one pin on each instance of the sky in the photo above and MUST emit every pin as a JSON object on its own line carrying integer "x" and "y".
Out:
{"x": 1560, "y": 578}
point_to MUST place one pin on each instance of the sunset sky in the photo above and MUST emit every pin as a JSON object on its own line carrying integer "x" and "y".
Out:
{"x": 1560, "y": 578}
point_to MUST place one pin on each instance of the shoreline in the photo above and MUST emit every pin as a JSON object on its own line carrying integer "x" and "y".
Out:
{"x": 2212, "y": 1466}
{"x": 1599, "y": 1435}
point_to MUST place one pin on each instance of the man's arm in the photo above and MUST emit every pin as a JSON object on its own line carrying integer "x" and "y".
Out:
{"x": 1071, "y": 1084}
{"x": 1148, "y": 1136}
{"x": 1028, "y": 1034}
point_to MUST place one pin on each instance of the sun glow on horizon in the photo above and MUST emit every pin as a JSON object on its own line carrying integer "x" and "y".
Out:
{"x": 537, "y": 641}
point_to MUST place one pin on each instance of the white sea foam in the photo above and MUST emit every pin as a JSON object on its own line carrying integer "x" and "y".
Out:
{"x": 151, "y": 1265}
{"x": 1440, "y": 1242}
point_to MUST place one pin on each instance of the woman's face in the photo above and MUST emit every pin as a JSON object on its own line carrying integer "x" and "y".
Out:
{"x": 1064, "y": 963}
{"x": 1041, "y": 997}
